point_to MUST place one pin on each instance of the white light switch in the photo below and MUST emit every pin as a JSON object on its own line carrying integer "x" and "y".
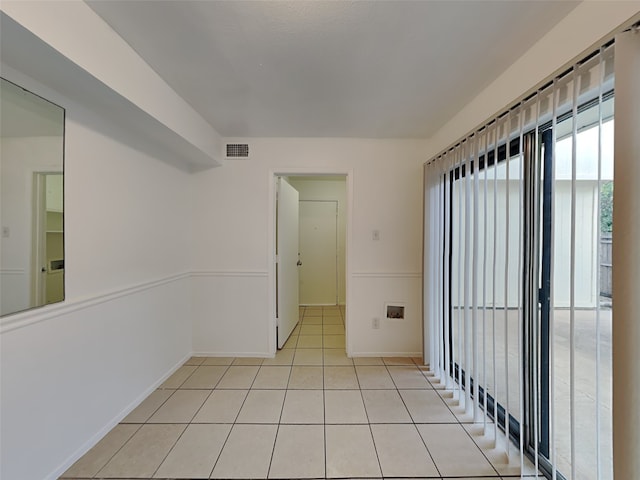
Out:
{"x": 376, "y": 235}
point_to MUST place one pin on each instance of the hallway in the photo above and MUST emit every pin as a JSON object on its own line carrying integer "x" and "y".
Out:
{"x": 310, "y": 412}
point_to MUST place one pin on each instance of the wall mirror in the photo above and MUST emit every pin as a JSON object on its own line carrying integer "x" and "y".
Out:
{"x": 31, "y": 200}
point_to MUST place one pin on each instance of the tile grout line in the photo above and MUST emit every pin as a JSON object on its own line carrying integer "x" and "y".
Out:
{"x": 116, "y": 452}
{"x": 412, "y": 420}
{"x": 170, "y": 450}
{"x": 275, "y": 440}
{"x": 146, "y": 422}
{"x": 373, "y": 440}
{"x": 232, "y": 424}
{"x": 194, "y": 415}
{"x": 324, "y": 407}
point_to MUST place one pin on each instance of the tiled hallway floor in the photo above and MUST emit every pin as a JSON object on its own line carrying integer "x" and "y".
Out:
{"x": 310, "y": 412}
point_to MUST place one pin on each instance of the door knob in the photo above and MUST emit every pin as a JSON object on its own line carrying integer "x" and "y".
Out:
{"x": 299, "y": 263}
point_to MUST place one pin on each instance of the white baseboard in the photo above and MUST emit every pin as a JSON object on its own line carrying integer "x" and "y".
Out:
{"x": 387, "y": 354}
{"x": 233, "y": 354}
{"x": 99, "y": 435}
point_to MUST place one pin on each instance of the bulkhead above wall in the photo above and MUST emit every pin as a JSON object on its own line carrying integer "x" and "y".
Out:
{"x": 108, "y": 78}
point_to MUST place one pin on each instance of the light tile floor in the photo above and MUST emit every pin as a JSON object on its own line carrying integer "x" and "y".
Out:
{"x": 310, "y": 412}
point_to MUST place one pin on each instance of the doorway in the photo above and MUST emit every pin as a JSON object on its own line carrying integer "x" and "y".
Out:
{"x": 322, "y": 261}
{"x": 48, "y": 239}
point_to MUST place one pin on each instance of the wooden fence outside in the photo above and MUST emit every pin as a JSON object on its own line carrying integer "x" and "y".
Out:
{"x": 606, "y": 260}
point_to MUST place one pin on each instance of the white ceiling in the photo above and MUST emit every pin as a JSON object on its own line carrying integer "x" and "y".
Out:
{"x": 372, "y": 69}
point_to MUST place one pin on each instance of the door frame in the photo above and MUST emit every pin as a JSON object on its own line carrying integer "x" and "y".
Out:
{"x": 271, "y": 240}
{"x": 38, "y": 258}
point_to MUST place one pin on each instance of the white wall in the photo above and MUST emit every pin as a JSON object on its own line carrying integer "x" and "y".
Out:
{"x": 128, "y": 208}
{"x": 20, "y": 157}
{"x": 331, "y": 190}
{"x": 626, "y": 261}
{"x": 233, "y": 209}
{"x": 71, "y": 370}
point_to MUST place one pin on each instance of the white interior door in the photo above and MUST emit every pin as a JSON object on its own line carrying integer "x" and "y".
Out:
{"x": 286, "y": 260}
{"x": 318, "y": 252}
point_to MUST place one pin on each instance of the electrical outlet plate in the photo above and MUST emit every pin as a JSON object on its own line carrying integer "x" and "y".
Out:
{"x": 375, "y": 323}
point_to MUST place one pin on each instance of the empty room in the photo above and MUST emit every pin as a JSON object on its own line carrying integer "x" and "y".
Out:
{"x": 319, "y": 239}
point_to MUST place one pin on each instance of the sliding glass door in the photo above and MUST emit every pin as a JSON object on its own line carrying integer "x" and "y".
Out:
{"x": 527, "y": 327}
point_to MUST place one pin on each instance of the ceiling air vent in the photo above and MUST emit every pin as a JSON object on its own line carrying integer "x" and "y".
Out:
{"x": 237, "y": 150}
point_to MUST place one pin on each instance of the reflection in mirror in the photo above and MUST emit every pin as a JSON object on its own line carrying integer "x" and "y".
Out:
{"x": 31, "y": 200}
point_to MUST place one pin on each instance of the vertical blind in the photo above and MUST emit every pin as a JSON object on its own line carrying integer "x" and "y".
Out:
{"x": 516, "y": 326}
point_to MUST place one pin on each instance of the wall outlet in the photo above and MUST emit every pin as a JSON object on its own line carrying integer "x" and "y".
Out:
{"x": 375, "y": 235}
{"x": 375, "y": 323}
